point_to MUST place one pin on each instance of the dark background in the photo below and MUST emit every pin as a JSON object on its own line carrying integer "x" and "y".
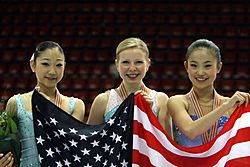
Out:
{"x": 89, "y": 32}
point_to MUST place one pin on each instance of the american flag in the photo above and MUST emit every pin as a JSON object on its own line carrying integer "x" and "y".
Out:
{"x": 64, "y": 141}
{"x": 153, "y": 147}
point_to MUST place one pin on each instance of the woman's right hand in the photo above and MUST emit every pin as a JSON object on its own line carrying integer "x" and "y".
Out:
{"x": 6, "y": 160}
{"x": 147, "y": 97}
{"x": 238, "y": 99}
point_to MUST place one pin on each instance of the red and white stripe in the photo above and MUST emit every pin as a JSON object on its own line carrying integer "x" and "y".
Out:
{"x": 153, "y": 147}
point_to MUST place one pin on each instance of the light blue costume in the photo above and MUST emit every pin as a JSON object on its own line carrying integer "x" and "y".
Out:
{"x": 183, "y": 140}
{"x": 29, "y": 154}
{"x": 115, "y": 100}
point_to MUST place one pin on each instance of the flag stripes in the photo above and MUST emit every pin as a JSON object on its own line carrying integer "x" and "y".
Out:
{"x": 151, "y": 141}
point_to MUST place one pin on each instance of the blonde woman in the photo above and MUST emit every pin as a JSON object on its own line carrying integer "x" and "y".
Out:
{"x": 132, "y": 63}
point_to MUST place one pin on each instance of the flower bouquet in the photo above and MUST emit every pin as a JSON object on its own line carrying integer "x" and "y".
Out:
{"x": 9, "y": 137}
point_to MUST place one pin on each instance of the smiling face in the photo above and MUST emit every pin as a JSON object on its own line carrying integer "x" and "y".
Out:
{"x": 132, "y": 65}
{"x": 202, "y": 67}
{"x": 49, "y": 67}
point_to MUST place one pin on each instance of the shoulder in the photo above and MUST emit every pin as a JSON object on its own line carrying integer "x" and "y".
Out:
{"x": 102, "y": 98}
{"x": 78, "y": 109}
{"x": 11, "y": 102}
{"x": 26, "y": 95}
{"x": 11, "y": 106}
{"x": 98, "y": 108}
{"x": 177, "y": 104}
{"x": 162, "y": 97}
{"x": 177, "y": 100}
{"x": 100, "y": 102}
{"x": 79, "y": 102}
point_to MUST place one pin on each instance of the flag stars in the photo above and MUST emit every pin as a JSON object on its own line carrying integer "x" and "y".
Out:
{"x": 106, "y": 147}
{"x": 73, "y": 143}
{"x": 111, "y": 151}
{"x": 85, "y": 151}
{"x": 48, "y": 137}
{"x": 39, "y": 123}
{"x": 62, "y": 132}
{"x": 113, "y": 136}
{"x": 50, "y": 152}
{"x": 124, "y": 163}
{"x": 124, "y": 127}
{"x": 118, "y": 156}
{"x": 58, "y": 164}
{"x": 56, "y": 135}
{"x": 72, "y": 130}
{"x": 46, "y": 122}
{"x": 94, "y": 133}
{"x": 57, "y": 150}
{"x": 97, "y": 158}
{"x": 111, "y": 122}
{"x": 105, "y": 163}
{"x": 53, "y": 120}
{"x": 118, "y": 139}
{"x": 104, "y": 133}
{"x": 66, "y": 147}
{"x": 40, "y": 158}
{"x": 37, "y": 108}
{"x": 112, "y": 165}
{"x": 76, "y": 158}
{"x": 119, "y": 123}
{"x": 125, "y": 110}
{"x": 83, "y": 137}
{"x": 124, "y": 146}
{"x": 99, "y": 146}
{"x": 87, "y": 165}
{"x": 95, "y": 143}
{"x": 40, "y": 140}
{"x": 66, "y": 162}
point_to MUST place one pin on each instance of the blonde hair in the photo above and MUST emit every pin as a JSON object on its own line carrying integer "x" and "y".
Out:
{"x": 132, "y": 42}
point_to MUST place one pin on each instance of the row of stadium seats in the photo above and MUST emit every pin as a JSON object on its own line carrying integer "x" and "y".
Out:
{"x": 90, "y": 31}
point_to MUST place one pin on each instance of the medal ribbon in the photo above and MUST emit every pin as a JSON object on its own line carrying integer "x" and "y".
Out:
{"x": 123, "y": 93}
{"x": 58, "y": 99}
{"x": 207, "y": 136}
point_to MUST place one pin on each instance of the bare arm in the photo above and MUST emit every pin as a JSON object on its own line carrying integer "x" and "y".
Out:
{"x": 11, "y": 107}
{"x": 97, "y": 109}
{"x": 79, "y": 110}
{"x": 163, "y": 116}
{"x": 192, "y": 129}
{"x": 177, "y": 106}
